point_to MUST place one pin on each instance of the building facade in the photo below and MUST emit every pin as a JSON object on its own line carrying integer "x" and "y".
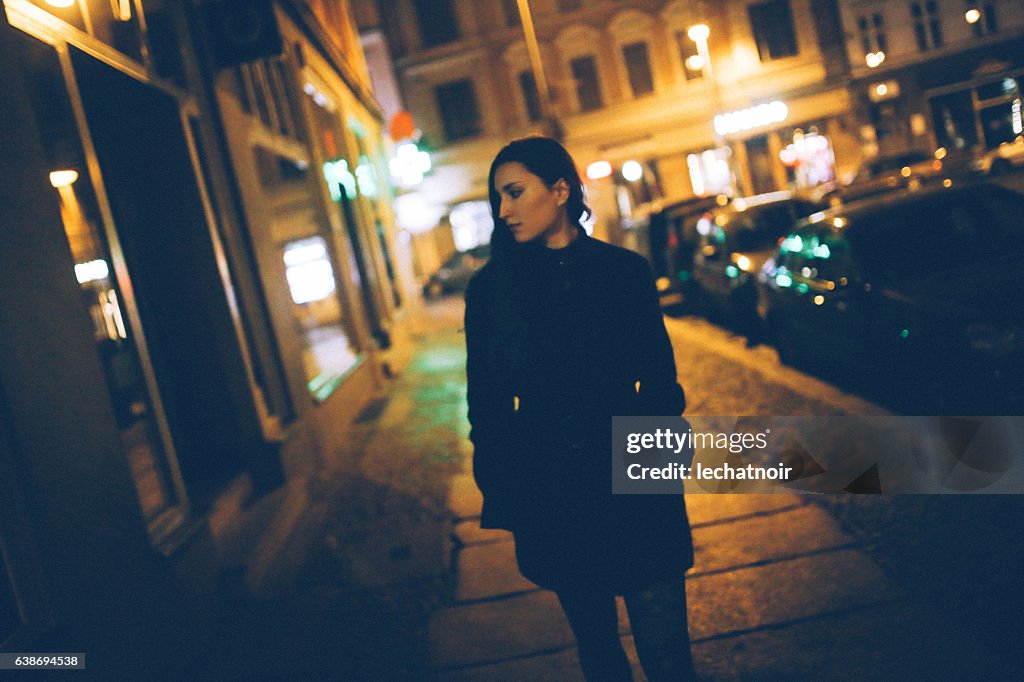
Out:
{"x": 205, "y": 286}
{"x": 759, "y": 103}
{"x": 936, "y": 73}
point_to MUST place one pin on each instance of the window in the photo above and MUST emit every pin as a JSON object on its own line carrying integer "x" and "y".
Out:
{"x": 569, "y": 5}
{"x": 987, "y": 23}
{"x": 927, "y": 25}
{"x": 588, "y": 89}
{"x": 531, "y": 96}
{"x": 872, "y": 33}
{"x": 437, "y": 22}
{"x": 772, "y": 23}
{"x": 638, "y": 68}
{"x": 460, "y": 114}
{"x": 511, "y": 10}
{"x": 688, "y": 50}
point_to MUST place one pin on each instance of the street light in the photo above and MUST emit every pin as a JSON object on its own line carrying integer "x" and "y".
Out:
{"x": 972, "y": 15}
{"x": 699, "y": 34}
{"x": 537, "y": 66}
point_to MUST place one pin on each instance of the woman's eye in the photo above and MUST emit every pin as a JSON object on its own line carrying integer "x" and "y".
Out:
{"x": 515, "y": 193}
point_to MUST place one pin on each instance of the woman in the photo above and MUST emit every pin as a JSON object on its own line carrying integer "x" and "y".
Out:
{"x": 563, "y": 332}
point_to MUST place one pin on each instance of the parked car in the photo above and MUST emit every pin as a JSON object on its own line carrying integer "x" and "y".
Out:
{"x": 915, "y": 296}
{"x": 672, "y": 239}
{"x": 885, "y": 174}
{"x": 453, "y": 277}
{"x": 1003, "y": 158}
{"x": 734, "y": 241}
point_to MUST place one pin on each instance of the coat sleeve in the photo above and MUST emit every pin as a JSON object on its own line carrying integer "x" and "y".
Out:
{"x": 659, "y": 392}
{"x": 488, "y": 397}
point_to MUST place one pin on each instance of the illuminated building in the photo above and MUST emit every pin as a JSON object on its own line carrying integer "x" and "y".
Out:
{"x": 203, "y": 288}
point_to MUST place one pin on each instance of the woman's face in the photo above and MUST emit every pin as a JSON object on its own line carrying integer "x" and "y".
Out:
{"x": 530, "y": 208}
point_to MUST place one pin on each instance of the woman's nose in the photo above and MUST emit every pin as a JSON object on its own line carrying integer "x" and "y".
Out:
{"x": 503, "y": 210}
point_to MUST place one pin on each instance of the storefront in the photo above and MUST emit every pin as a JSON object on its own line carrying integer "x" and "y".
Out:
{"x": 969, "y": 101}
{"x": 124, "y": 383}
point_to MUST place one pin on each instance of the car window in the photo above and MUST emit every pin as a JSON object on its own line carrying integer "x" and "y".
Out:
{"x": 819, "y": 255}
{"x": 925, "y": 237}
{"x": 761, "y": 228}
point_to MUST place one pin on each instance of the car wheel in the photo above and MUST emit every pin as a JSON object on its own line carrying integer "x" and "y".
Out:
{"x": 1000, "y": 167}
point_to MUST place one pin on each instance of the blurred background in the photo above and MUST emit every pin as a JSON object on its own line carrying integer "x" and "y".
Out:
{"x": 236, "y": 234}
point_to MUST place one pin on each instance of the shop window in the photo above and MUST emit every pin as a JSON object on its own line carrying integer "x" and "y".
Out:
{"x": 927, "y": 24}
{"x": 531, "y": 96}
{"x": 772, "y": 24}
{"x": 1000, "y": 123}
{"x": 510, "y": 8}
{"x": 92, "y": 263}
{"x": 460, "y": 114}
{"x": 953, "y": 120}
{"x": 871, "y": 29}
{"x": 808, "y": 159}
{"x": 325, "y": 327}
{"x": 588, "y": 89}
{"x": 693, "y": 65}
{"x": 437, "y": 21}
{"x": 710, "y": 172}
{"x": 638, "y": 68}
{"x": 760, "y": 161}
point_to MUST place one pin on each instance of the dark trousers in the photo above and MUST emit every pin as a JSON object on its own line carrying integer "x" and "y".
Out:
{"x": 657, "y": 616}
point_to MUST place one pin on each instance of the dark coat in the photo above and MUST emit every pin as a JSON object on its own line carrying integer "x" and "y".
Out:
{"x": 572, "y": 336}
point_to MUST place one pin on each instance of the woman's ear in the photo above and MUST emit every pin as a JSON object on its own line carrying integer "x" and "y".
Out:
{"x": 561, "y": 190}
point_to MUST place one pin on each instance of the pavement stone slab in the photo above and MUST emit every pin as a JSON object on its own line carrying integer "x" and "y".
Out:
{"x": 464, "y": 498}
{"x": 785, "y": 591}
{"x": 470, "y": 533}
{"x": 488, "y": 571}
{"x": 497, "y": 630}
{"x": 560, "y": 666}
{"x": 760, "y": 538}
{"x": 708, "y": 508}
{"x": 896, "y": 641}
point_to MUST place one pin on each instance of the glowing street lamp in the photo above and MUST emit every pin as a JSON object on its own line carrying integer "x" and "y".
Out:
{"x": 63, "y": 178}
{"x": 699, "y": 34}
{"x": 874, "y": 59}
{"x": 972, "y": 16}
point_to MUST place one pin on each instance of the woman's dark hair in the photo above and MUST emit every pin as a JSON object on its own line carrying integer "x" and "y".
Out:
{"x": 548, "y": 160}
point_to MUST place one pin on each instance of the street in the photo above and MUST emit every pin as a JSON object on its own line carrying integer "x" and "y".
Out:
{"x": 392, "y": 578}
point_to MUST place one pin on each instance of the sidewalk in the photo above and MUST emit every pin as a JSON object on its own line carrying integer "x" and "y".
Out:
{"x": 389, "y": 576}
{"x": 778, "y": 591}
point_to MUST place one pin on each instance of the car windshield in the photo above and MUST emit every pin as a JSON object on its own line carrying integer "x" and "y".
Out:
{"x": 760, "y": 228}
